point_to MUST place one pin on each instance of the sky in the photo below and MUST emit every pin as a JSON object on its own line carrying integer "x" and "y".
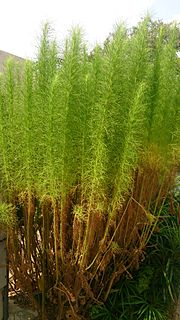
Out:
{"x": 21, "y": 21}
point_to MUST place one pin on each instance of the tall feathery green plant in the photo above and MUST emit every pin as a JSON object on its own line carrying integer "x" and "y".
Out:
{"x": 162, "y": 113}
{"x": 82, "y": 137}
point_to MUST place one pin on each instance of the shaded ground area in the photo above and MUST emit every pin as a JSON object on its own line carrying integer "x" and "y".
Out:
{"x": 177, "y": 311}
{"x": 19, "y": 313}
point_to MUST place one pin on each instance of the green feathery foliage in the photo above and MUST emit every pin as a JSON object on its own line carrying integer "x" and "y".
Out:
{"x": 164, "y": 110}
{"x": 88, "y": 144}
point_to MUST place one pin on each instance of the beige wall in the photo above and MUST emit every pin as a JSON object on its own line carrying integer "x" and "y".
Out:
{"x": 4, "y": 56}
{"x": 3, "y": 272}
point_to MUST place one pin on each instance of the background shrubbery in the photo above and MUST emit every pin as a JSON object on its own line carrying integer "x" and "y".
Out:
{"x": 152, "y": 291}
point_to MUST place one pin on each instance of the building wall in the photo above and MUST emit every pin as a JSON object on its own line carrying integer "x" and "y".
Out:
{"x": 4, "y": 56}
{"x": 3, "y": 273}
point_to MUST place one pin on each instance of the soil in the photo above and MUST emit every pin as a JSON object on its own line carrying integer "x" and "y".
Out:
{"x": 18, "y": 311}
{"x": 177, "y": 311}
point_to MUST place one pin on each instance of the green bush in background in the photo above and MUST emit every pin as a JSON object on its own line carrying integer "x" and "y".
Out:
{"x": 150, "y": 293}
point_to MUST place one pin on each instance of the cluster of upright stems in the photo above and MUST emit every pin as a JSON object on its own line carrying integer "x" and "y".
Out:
{"x": 89, "y": 145}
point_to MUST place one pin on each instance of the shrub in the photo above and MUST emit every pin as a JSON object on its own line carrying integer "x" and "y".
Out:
{"x": 152, "y": 291}
{"x": 89, "y": 150}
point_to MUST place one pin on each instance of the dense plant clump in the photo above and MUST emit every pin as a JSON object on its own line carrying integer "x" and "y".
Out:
{"x": 89, "y": 151}
{"x": 151, "y": 291}
{"x": 7, "y": 218}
